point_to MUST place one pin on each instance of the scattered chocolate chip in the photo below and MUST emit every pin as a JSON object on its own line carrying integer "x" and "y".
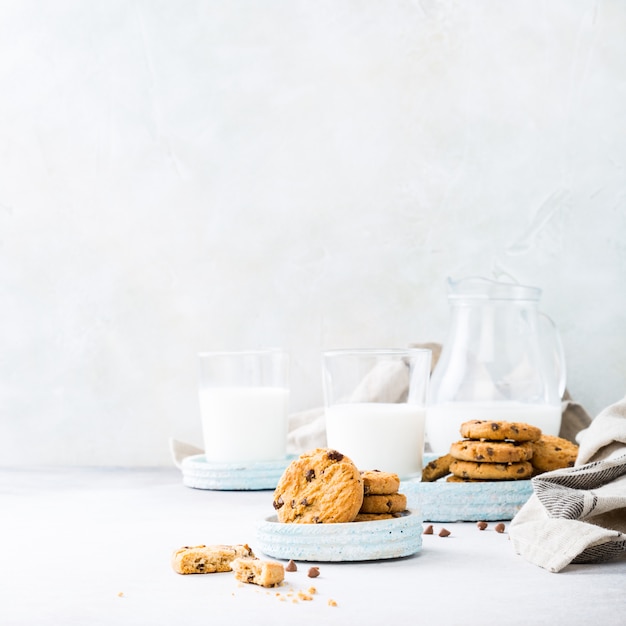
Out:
{"x": 310, "y": 475}
{"x": 313, "y": 572}
{"x": 500, "y": 528}
{"x": 333, "y": 455}
{"x": 428, "y": 530}
{"x": 291, "y": 566}
{"x": 482, "y": 525}
{"x": 444, "y": 533}
{"x": 278, "y": 503}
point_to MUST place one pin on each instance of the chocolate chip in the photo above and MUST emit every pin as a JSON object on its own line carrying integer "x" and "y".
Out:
{"x": 291, "y": 566}
{"x": 313, "y": 572}
{"x": 444, "y": 533}
{"x": 304, "y": 502}
{"x": 278, "y": 503}
{"x": 482, "y": 525}
{"x": 333, "y": 455}
{"x": 310, "y": 475}
{"x": 428, "y": 530}
{"x": 500, "y": 528}
{"x": 495, "y": 426}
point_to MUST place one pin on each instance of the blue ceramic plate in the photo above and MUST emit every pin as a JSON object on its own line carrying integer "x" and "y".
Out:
{"x": 354, "y": 541}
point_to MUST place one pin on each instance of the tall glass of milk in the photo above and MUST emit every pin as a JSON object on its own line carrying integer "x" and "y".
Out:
{"x": 244, "y": 399}
{"x": 375, "y": 407}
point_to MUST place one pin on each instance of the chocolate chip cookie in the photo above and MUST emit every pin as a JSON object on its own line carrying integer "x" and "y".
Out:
{"x": 320, "y": 487}
{"x": 495, "y": 430}
{"x": 492, "y": 471}
{"x": 390, "y": 503}
{"x": 437, "y": 468}
{"x": 208, "y": 559}
{"x": 551, "y": 453}
{"x": 376, "y": 482}
{"x": 491, "y": 451}
{"x": 258, "y": 572}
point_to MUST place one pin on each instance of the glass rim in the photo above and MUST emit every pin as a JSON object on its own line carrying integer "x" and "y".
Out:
{"x": 375, "y": 351}
{"x": 251, "y": 352}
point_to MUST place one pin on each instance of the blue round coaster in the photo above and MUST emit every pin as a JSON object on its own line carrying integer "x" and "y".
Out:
{"x": 199, "y": 473}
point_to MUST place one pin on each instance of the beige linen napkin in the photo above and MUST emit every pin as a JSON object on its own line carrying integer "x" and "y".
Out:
{"x": 578, "y": 514}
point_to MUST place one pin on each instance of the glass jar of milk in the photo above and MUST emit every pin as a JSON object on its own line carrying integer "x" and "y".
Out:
{"x": 502, "y": 360}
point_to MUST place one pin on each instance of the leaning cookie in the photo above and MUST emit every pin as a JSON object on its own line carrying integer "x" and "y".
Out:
{"x": 208, "y": 559}
{"x": 491, "y": 451}
{"x": 492, "y": 471}
{"x": 437, "y": 468}
{"x": 552, "y": 453}
{"x": 495, "y": 430}
{"x": 319, "y": 487}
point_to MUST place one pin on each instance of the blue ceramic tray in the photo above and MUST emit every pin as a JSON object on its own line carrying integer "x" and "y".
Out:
{"x": 354, "y": 541}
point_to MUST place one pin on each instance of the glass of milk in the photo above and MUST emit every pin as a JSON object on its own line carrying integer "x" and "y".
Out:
{"x": 244, "y": 399}
{"x": 375, "y": 407}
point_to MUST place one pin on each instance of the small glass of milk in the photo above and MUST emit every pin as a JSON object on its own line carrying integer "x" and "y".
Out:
{"x": 244, "y": 399}
{"x": 375, "y": 407}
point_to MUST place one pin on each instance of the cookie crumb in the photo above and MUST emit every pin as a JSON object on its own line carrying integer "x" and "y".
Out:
{"x": 500, "y": 528}
{"x": 444, "y": 532}
{"x": 428, "y": 530}
{"x": 291, "y": 566}
{"x": 304, "y": 596}
{"x": 482, "y": 525}
{"x": 312, "y": 590}
{"x": 313, "y": 572}
{"x": 120, "y": 594}
{"x": 331, "y": 602}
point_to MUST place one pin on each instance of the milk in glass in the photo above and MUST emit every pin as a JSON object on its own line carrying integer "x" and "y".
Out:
{"x": 244, "y": 423}
{"x": 384, "y": 436}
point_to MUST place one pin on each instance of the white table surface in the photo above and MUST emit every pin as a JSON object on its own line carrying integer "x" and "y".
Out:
{"x": 93, "y": 546}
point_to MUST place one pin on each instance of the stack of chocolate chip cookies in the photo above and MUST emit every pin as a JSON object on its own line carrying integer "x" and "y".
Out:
{"x": 493, "y": 450}
{"x": 381, "y": 499}
{"x": 499, "y": 450}
{"x": 324, "y": 486}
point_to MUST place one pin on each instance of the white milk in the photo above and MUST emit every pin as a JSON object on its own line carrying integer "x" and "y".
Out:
{"x": 387, "y": 437}
{"x": 244, "y": 423}
{"x": 443, "y": 421}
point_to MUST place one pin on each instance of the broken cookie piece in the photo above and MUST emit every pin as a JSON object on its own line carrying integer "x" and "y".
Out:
{"x": 258, "y": 572}
{"x": 204, "y": 559}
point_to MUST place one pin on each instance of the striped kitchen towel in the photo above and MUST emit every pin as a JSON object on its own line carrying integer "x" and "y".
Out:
{"x": 578, "y": 514}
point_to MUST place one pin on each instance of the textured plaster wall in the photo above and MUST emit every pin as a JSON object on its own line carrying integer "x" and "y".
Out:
{"x": 182, "y": 176}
